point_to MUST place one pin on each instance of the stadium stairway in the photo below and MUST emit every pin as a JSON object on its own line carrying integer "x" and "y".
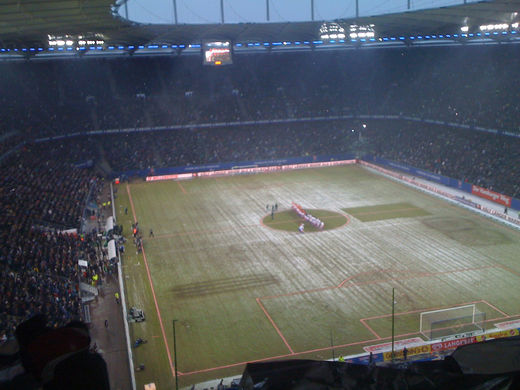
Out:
{"x": 88, "y": 292}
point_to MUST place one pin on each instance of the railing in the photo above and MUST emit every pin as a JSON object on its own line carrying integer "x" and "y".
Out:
{"x": 123, "y": 301}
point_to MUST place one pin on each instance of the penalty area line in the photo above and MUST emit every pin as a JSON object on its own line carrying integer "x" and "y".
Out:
{"x": 369, "y": 328}
{"x": 274, "y": 325}
{"x": 153, "y": 291}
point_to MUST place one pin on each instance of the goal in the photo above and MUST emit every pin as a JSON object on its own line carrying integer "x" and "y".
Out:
{"x": 436, "y": 324}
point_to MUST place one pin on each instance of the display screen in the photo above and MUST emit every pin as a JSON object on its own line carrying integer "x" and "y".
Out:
{"x": 217, "y": 53}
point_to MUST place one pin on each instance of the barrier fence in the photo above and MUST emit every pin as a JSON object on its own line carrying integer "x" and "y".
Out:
{"x": 416, "y": 347}
{"x": 240, "y": 170}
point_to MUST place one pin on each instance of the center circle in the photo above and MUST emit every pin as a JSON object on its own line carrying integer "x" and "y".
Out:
{"x": 290, "y": 221}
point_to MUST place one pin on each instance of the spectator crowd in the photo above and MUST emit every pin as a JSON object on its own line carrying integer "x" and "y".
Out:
{"x": 42, "y": 195}
{"x": 475, "y": 85}
{"x": 488, "y": 160}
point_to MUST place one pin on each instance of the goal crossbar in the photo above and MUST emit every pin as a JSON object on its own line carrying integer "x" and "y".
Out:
{"x": 450, "y": 318}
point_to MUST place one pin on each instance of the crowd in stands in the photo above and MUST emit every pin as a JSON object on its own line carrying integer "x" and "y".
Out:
{"x": 43, "y": 189}
{"x": 488, "y": 160}
{"x": 10, "y": 141}
{"x": 225, "y": 144}
{"x": 473, "y": 85}
{"x": 41, "y": 195}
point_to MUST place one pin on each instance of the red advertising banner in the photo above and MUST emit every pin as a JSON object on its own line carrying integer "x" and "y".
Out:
{"x": 452, "y": 344}
{"x": 491, "y": 195}
{"x": 179, "y": 176}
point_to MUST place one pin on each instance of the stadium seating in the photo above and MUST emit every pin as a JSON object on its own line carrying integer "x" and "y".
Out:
{"x": 458, "y": 84}
{"x": 43, "y": 194}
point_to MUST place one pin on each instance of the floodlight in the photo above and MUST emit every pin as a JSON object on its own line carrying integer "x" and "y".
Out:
{"x": 331, "y": 30}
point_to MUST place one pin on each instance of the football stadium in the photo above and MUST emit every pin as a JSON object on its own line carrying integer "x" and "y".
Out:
{"x": 272, "y": 195}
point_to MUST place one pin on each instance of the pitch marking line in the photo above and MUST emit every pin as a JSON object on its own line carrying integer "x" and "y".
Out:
{"x": 385, "y": 211}
{"x": 369, "y": 328}
{"x": 274, "y": 325}
{"x": 508, "y": 269}
{"x": 281, "y": 356}
{"x": 182, "y": 188}
{"x": 349, "y": 279}
{"x": 153, "y": 291}
{"x": 496, "y": 308}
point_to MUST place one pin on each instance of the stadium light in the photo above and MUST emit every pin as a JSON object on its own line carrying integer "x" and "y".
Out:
{"x": 331, "y": 30}
{"x": 362, "y": 31}
{"x": 494, "y": 27}
{"x": 72, "y": 40}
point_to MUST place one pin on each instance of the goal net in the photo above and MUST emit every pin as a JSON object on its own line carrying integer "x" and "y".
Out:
{"x": 454, "y": 320}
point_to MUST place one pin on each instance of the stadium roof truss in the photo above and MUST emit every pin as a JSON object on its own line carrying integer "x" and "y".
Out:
{"x": 26, "y": 25}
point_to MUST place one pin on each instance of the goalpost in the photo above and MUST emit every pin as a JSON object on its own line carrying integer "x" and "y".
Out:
{"x": 435, "y": 324}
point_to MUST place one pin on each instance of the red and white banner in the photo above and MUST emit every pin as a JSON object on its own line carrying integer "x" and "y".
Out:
{"x": 491, "y": 195}
{"x": 249, "y": 170}
{"x": 398, "y": 344}
{"x": 179, "y": 176}
{"x": 508, "y": 324}
{"x": 452, "y": 344}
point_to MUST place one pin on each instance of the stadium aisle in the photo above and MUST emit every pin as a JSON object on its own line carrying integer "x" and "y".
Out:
{"x": 110, "y": 337}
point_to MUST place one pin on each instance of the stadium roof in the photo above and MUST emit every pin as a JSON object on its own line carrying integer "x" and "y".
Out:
{"x": 25, "y": 23}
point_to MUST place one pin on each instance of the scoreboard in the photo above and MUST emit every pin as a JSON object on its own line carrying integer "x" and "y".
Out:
{"x": 217, "y": 53}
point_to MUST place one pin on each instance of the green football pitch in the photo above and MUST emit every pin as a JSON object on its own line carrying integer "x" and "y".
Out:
{"x": 245, "y": 286}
